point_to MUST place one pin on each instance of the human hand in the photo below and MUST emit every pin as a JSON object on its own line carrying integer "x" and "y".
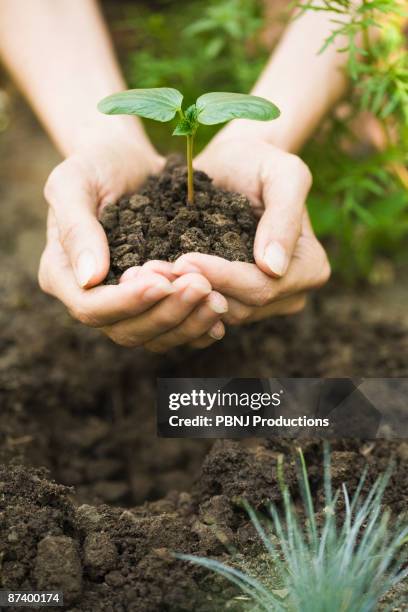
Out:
{"x": 289, "y": 259}
{"x": 149, "y": 306}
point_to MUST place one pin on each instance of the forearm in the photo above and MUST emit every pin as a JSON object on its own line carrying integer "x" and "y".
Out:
{"x": 303, "y": 83}
{"x": 60, "y": 54}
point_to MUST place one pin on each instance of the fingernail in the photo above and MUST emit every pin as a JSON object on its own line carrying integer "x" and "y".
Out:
{"x": 182, "y": 266}
{"x": 217, "y": 303}
{"x": 85, "y": 268}
{"x": 276, "y": 258}
{"x": 217, "y": 331}
{"x": 158, "y": 291}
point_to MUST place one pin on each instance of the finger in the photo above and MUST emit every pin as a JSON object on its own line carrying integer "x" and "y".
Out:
{"x": 80, "y": 233}
{"x": 242, "y": 281}
{"x": 161, "y": 267}
{"x": 165, "y": 268}
{"x": 130, "y": 274}
{"x": 287, "y": 306}
{"x": 101, "y": 305}
{"x": 202, "y": 343}
{"x": 189, "y": 290}
{"x": 216, "y": 333}
{"x": 239, "y": 313}
{"x": 309, "y": 268}
{"x": 202, "y": 320}
{"x": 284, "y": 196}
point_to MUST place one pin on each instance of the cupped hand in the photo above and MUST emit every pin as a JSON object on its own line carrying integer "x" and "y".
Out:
{"x": 150, "y": 306}
{"x": 289, "y": 259}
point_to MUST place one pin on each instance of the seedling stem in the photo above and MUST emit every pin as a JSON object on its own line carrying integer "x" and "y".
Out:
{"x": 190, "y": 179}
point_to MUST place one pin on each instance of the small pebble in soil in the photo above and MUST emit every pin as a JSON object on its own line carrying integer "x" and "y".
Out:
{"x": 58, "y": 567}
{"x": 100, "y": 554}
{"x": 88, "y": 518}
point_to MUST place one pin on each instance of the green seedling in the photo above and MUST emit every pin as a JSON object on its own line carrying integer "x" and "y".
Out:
{"x": 164, "y": 103}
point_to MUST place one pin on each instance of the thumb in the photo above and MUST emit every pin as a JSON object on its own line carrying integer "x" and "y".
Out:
{"x": 80, "y": 233}
{"x": 284, "y": 194}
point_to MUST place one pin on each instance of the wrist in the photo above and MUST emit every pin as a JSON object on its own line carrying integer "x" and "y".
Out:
{"x": 249, "y": 131}
{"x": 284, "y": 132}
{"x": 117, "y": 147}
{"x": 98, "y": 130}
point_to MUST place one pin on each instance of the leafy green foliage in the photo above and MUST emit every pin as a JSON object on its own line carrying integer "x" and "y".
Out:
{"x": 188, "y": 123}
{"x": 324, "y": 565}
{"x": 377, "y": 58}
{"x": 218, "y": 107}
{"x": 160, "y": 103}
{"x": 359, "y": 200}
{"x": 359, "y": 207}
{"x": 207, "y": 31}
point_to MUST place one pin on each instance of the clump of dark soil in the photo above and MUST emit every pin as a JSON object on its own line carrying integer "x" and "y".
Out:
{"x": 157, "y": 223}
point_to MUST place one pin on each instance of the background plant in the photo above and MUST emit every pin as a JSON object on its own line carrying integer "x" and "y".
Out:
{"x": 360, "y": 196}
{"x": 327, "y": 565}
{"x": 359, "y": 200}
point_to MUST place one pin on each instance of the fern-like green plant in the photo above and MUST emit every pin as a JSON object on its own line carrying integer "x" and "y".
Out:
{"x": 327, "y": 566}
{"x": 360, "y": 194}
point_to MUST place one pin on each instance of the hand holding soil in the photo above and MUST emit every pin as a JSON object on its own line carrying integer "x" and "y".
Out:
{"x": 76, "y": 257}
{"x": 149, "y": 306}
{"x": 165, "y": 220}
{"x": 289, "y": 259}
{"x": 156, "y": 303}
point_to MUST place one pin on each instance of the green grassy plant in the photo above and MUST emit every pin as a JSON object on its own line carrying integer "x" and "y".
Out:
{"x": 334, "y": 565}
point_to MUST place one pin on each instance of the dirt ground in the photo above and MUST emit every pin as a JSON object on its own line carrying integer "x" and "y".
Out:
{"x": 91, "y": 501}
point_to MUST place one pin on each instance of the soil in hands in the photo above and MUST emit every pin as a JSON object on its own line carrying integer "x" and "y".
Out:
{"x": 157, "y": 222}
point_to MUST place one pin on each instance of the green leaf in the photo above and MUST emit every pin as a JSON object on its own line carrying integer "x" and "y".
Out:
{"x": 183, "y": 128}
{"x": 159, "y": 103}
{"x": 188, "y": 124}
{"x": 214, "y": 47}
{"x": 218, "y": 107}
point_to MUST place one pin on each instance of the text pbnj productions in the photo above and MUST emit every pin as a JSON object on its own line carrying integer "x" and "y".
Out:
{"x": 223, "y": 413}
{"x": 254, "y": 402}
{"x": 286, "y": 407}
